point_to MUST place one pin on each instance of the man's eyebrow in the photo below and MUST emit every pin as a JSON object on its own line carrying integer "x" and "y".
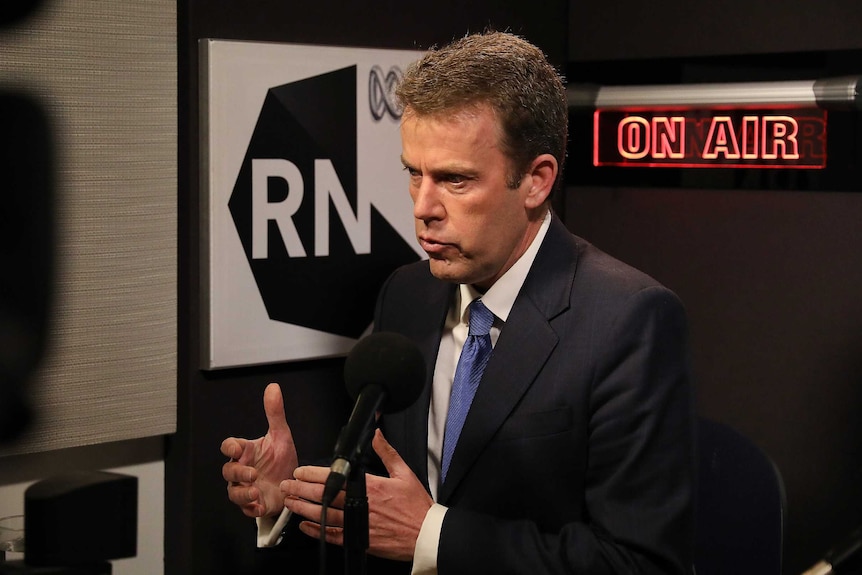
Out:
{"x": 445, "y": 171}
{"x": 457, "y": 170}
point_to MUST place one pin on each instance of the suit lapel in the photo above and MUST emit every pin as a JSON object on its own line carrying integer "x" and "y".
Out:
{"x": 525, "y": 343}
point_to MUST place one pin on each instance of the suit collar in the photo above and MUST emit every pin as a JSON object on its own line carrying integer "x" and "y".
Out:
{"x": 551, "y": 279}
{"x": 501, "y": 296}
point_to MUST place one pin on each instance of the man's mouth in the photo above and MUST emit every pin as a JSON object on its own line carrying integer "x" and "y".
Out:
{"x": 433, "y": 247}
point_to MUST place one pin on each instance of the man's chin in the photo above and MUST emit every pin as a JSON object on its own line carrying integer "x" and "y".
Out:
{"x": 445, "y": 271}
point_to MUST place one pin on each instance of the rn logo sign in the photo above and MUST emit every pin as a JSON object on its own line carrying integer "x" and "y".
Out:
{"x": 308, "y": 211}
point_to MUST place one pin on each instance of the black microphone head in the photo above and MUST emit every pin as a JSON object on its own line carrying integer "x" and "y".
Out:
{"x": 391, "y": 361}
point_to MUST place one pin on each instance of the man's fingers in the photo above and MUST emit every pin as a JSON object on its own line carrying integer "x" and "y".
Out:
{"x": 311, "y": 510}
{"x": 334, "y": 535}
{"x": 238, "y": 449}
{"x": 231, "y": 447}
{"x": 273, "y": 406}
{"x": 313, "y": 492}
{"x": 312, "y": 474}
{"x": 307, "y": 485}
{"x": 243, "y": 494}
{"x": 235, "y": 472}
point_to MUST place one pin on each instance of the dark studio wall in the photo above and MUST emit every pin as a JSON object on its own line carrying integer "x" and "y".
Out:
{"x": 205, "y": 534}
{"x": 769, "y": 274}
{"x": 767, "y": 262}
{"x": 622, "y": 29}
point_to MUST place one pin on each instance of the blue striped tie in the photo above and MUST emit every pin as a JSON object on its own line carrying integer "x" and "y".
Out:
{"x": 474, "y": 357}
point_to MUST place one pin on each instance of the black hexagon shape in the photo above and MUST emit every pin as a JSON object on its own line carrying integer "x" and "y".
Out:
{"x": 303, "y": 121}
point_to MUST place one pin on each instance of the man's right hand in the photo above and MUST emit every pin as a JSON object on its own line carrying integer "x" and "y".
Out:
{"x": 257, "y": 467}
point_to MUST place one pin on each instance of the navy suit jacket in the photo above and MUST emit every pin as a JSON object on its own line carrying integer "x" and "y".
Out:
{"x": 577, "y": 454}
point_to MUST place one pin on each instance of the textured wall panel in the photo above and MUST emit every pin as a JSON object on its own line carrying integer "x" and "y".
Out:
{"x": 106, "y": 73}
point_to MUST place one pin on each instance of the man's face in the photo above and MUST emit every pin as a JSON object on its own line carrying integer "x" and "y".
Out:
{"x": 470, "y": 223}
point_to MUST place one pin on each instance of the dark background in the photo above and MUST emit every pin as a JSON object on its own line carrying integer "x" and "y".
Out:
{"x": 767, "y": 264}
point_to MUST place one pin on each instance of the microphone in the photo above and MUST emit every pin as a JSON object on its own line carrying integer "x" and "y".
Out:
{"x": 383, "y": 372}
{"x": 840, "y": 556}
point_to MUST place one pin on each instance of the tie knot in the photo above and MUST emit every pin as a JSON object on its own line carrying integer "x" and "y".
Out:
{"x": 481, "y": 318}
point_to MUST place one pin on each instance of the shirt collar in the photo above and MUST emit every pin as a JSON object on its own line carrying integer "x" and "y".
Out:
{"x": 500, "y": 297}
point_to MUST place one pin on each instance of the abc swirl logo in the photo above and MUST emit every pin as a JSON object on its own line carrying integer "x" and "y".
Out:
{"x": 381, "y": 92}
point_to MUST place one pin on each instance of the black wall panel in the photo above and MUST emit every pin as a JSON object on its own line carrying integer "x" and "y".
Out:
{"x": 618, "y": 29}
{"x": 766, "y": 261}
{"x": 771, "y": 281}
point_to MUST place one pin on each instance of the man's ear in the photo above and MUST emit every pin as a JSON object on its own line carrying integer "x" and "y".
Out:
{"x": 542, "y": 175}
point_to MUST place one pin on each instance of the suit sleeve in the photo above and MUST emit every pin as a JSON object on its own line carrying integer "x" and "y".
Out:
{"x": 640, "y": 470}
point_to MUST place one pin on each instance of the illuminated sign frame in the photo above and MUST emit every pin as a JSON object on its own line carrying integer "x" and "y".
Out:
{"x": 711, "y": 138}
{"x": 732, "y": 125}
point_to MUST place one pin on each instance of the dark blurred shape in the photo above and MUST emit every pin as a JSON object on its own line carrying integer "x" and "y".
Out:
{"x": 13, "y": 11}
{"x": 26, "y": 252}
{"x": 75, "y": 523}
{"x": 845, "y": 558}
{"x": 80, "y": 518}
{"x": 741, "y": 505}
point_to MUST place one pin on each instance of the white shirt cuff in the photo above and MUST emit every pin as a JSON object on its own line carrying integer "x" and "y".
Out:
{"x": 425, "y": 556}
{"x": 269, "y": 528}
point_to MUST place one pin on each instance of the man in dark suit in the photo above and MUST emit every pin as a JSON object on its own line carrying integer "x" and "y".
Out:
{"x": 576, "y": 452}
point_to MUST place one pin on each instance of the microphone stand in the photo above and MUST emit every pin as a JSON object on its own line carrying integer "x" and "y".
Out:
{"x": 356, "y": 521}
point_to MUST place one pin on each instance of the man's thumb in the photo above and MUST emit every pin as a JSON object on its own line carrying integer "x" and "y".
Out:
{"x": 387, "y": 454}
{"x": 273, "y": 405}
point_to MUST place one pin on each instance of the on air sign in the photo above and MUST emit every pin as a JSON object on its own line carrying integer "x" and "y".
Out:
{"x": 304, "y": 203}
{"x": 710, "y": 138}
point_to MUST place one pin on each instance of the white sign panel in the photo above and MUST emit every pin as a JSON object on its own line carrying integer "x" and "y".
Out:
{"x": 305, "y": 208}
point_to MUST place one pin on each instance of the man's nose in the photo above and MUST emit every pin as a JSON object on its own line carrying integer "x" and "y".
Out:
{"x": 426, "y": 201}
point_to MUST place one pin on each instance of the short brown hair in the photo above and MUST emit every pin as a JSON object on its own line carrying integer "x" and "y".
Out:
{"x": 505, "y": 72}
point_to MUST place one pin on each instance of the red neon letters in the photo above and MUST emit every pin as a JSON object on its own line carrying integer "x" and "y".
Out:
{"x": 725, "y": 138}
